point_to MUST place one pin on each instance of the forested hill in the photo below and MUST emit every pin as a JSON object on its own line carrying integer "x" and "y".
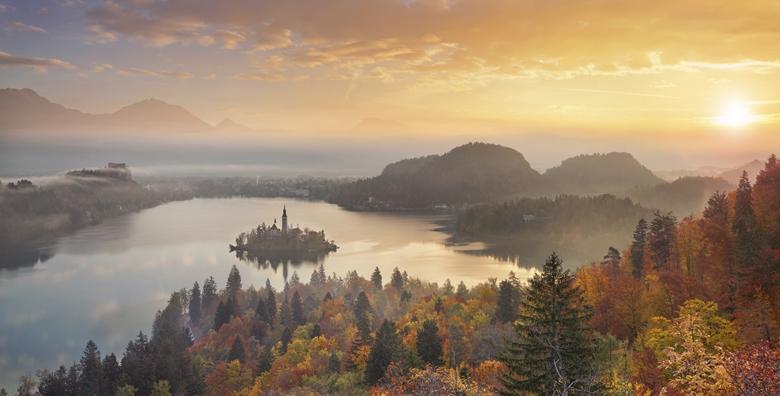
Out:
{"x": 611, "y": 173}
{"x": 475, "y": 172}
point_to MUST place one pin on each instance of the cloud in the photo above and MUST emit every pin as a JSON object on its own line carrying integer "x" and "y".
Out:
{"x": 133, "y": 71}
{"x": 41, "y": 64}
{"x": 101, "y": 67}
{"x": 471, "y": 39}
{"x": 23, "y": 27}
{"x": 4, "y": 8}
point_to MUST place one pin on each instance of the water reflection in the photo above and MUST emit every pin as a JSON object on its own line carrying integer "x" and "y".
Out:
{"x": 273, "y": 260}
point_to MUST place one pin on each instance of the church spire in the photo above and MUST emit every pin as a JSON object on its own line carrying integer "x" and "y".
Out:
{"x": 284, "y": 219}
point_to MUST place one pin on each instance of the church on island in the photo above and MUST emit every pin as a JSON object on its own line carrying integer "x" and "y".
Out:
{"x": 285, "y": 239}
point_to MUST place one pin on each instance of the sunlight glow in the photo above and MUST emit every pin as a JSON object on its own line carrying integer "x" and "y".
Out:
{"x": 735, "y": 114}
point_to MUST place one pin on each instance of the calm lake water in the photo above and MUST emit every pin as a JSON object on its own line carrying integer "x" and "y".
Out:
{"x": 106, "y": 282}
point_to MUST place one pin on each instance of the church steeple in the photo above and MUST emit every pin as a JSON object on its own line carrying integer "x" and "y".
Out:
{"x": 284, "y": 219}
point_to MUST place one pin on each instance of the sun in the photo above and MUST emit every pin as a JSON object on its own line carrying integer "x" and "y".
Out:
{"x": 735, "y": 114}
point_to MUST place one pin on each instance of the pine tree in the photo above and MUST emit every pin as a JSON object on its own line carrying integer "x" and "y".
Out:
{"x": 111, "y": 375}
{"x": 285, "y": 339}
{"x": 506, "y": 306}
{"x": 397, "y": 280}
{"x": 209, "y": 293}
{"x": 138, "y": 364}
{"x": 236, "y": 351}
{"x": 298, "y": 317}
{"x": 428, "y": 343}
{"x": 663, "y": 230}
{"x": 362, "y": 312}
{"x": 270, "y": 302}
{"x": 222, "y": 316}
{"x": 638, "y": 248}
{"x": 264, "y": 360}
{"x": 717, "y": 208}
{"x": 91, "y": 373}
{"x": 552, "y": 352}
{"x": 261, "y": 311}
{"x": 612, "y": 258}
{"x": 233, "y": 282}
{"x": 285, "y": 313}
{"x": 462, "y": 291}
{"x": 746, "y": 244}
{"x": 383, "y": 351}
{"x": 376, "y": 279}
{"x": 195, "y": 301}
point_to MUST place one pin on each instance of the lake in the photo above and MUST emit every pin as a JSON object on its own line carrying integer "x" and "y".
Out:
{"x": 106, "y": 282}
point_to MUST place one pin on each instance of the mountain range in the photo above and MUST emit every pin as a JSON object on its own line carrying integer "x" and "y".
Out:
{"x": 24, "y": 110}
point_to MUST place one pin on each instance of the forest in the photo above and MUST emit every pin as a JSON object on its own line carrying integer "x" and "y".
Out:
{"x": 689, "y": 307}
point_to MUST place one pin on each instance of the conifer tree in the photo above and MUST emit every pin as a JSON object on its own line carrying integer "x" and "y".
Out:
{"x": 447, "y": 287}
{"x": 285, "y": 313}
{"x": 638, "y": 248}
{"x": 209, "y": 293}
{"x": 717, "y": 208}
{"x": 661, "y": 239}
{"x": 316, "y": 331}
{"x": 222, "y": 315}
{"x": 552, "y": 352}
{"x": 195, "y": 304}
{"x": 397, "y": 280}
{"x": 506, "y": 306}
{"x": 362, "y": 312}
{"x": 383, "y": 351}
{"x": 285, "y": 339}
{"x": 264, "y": 360}
{"x": 428, "y": 343}
{"x": 261, "y": 311}
{"x": 270, "y": 302}
{"x": 90, "y": 368}
{"x": 746, "y": 244}
{"x": 462, "y": 291}
{"x": 376, "y": 279}
{"x": 236, "y": 351}
{"x": 111, "y": 375}
{"x": 334, "y": 363}
{"x": 612, "y": 258}
{"x": 233, "y": 282}
{"x": 298, "y": 317}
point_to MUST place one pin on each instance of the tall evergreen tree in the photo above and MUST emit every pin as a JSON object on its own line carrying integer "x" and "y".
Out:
{"x": 362, "y": 312}
{"x": 138, "y": 364}
{"x": 397, "y": 280}
{"x": 429, "y": 344}
{"x": 261, "y": 311}
{"x": 195, "y": 302}
{"x": 111, "y": 375}
{"x": 270, "y": 302}
{"x": 236, "y": 350}
{"x": 209, "y": 293}
{"x": 285, "y": 339}
{"x": 612, "y": 257}
{"x": 383, "y": 351}
{"x": 661, "y": 239}
{"x": 506, "y": 305}
{"x": 462, "y": 291}
{"x": 90, "y": 368}
{"x": 285, "y": 313}
{"x": 552, "y": 352}
{"x": 222, "y": 316}
{"x": 638, "y": 248}
{"x": 717, "y": 208}
{"x": 376, "y": 279}
{"x": 298, "y": 317}
{"x": 233, "y": 282}
{"x": 744, "y": 226}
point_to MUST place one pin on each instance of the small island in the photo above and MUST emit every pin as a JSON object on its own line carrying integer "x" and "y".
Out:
{"x": 283, "y": 241}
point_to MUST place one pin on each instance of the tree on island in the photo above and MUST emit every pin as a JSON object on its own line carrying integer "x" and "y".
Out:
{"x": 552, "y": 352}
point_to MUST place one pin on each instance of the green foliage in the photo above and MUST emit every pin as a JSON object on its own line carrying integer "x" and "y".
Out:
{"x": 233, "y": 282}
{"x": 384, "y": 349}
{"x": 362, "y": 312}
{"x": 661, "y": 239}
{"x": 376, "y": 278}
{"x": 552, "y": 352}
{"x": 237, "y": 351}
{"x": 506, "y": 306}
{"x": 428, "y": 343}
{"x": 126, "y": 390}
{"x": 161, "y": 388}
{"x": 638, "y": 247}
{"x": 397, "y": 280}
{"x": 195, "y": 304}
{"x": 298, "y": 317}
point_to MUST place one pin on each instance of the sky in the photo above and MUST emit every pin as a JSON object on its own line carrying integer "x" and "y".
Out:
{"x": 681, "y": 71}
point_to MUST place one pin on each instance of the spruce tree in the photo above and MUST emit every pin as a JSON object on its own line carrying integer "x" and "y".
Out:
{"x": 383, "y": 351}
{"x": 209, "y": 293}
{"x": 298, "y": 317}
{"x": 397, "y": 280}
{"x": 111, "y": 375}
{"x": 264, "y": 360}
{"x": 638, "y": 248}
{"x": 195, "y": 304}
{"x": 222, "y": 316}
{"x": 717, "y": 209}
{"x": 270, "y": 302}
{"x": 285, "y": 339}
{"x": 462, "y": 291}
{"x": 552, "y": 352}
{"x": 362, "y": 312}
{"x": 428, "y": 343}
{"x": 261, "y": 311}
{"x": 285, "y": 313}
{"x": 233, "y": 282}
{"x": 91, "y": 372}
{"x": 376, "y": 279}
{"x": 236, "y": 351}
{"x": 506, "y": 305}
{"x": 612, "y": 258}
{"x": 334, "y": 363}
{"x": 663, "y": 231}
{"x": 316, "y": 331}
{"x": 746, "y": 244}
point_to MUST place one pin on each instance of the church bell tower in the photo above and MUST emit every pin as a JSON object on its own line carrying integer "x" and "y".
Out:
{"x": 284, "y": 220}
